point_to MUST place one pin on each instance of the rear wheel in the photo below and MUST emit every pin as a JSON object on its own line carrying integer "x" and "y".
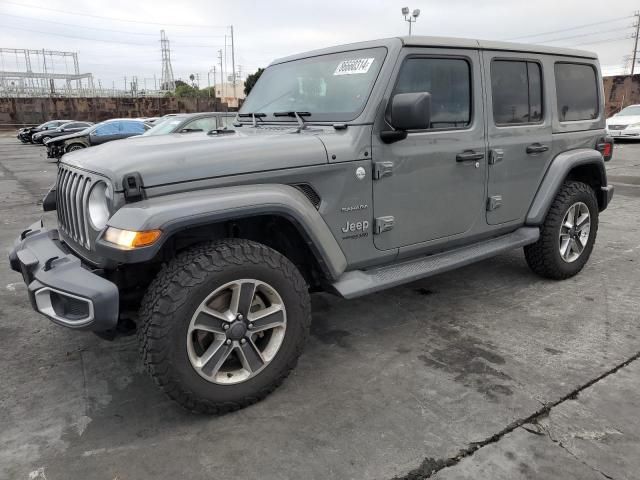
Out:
{"x": 567, "y": 235}
{"x": 223, "y": 324}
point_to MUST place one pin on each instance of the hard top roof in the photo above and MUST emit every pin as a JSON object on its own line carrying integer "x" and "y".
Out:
{"x": 445, "y": 42}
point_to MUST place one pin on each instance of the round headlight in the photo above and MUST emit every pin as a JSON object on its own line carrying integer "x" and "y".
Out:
{"x": 98, "y": 205}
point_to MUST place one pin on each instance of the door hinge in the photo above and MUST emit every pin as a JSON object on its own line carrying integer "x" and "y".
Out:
{"x": 496, "y": 155}
{"x": 382, "y": 169}
{"x": 133, "y": 187}
{"x": 493, "y": 202}
{"x": 383, "y": 224}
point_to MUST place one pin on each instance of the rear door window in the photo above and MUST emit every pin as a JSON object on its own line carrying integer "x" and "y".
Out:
{"x": 131, "y": 127}
{"x": 577, "y": 91}
{"x": 516, "y": 89}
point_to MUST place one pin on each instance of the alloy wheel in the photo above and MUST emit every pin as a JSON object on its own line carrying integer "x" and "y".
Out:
{"x": 574, "y": 232}
{"x": 236, "y": 331}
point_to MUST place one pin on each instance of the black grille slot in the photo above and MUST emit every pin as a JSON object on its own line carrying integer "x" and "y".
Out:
{"x": 310, "y": 193}
{"x": 72, "y": 193}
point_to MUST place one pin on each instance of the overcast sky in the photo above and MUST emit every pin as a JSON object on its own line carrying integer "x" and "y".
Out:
{"x": 118, "y": 38}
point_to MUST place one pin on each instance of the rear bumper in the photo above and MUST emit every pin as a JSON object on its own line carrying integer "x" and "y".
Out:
{"x": 59, "y": 286}
{"x": 606, "y": 194}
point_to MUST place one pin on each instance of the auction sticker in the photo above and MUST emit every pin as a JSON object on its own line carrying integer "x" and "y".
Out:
{"x": 354, "y": 66}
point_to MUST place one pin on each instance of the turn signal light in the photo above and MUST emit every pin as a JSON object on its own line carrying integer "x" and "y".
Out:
{"x": 130, "y": 239}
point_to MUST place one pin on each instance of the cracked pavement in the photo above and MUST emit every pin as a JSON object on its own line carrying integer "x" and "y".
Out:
{"x": 485, "y": 372}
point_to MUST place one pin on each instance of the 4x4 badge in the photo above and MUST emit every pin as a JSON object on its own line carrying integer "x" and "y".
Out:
{"x": 360, "y": 173}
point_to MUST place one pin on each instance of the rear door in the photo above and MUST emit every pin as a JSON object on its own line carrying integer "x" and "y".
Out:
{"x": 519, "y": 129}
{"x": 432, "y": 183}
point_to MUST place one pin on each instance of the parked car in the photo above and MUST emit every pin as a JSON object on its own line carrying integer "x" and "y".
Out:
{"x": 25, "y": 134}
{"x": 191, "y": 122}
{"x": 65, "y": 129}
{"x": 353, "y": 169}
{"x": 625, "y": 123}
{"x": 103, "y": 132}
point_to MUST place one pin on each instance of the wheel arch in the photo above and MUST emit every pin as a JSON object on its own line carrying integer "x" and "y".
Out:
{"x": 278, "y": 216}
{"x": 584, "y": 165}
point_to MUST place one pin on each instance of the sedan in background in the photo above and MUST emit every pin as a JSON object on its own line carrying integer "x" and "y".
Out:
{"x": 104, "y": 132}
{"x": 66, "y": 129}
{"x": 191, "y": 122}
{"x": 625, "y": 123}
{"x": 24, "y": 134}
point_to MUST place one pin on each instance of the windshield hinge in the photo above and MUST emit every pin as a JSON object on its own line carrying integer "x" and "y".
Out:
{"x": 383, "y": 224}
{"x": 132, "y": 184}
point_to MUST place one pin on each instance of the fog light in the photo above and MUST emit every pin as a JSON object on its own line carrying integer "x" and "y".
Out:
{"x": 130, "y": 239}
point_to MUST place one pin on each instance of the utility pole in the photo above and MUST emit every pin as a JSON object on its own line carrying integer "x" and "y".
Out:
{"x": 635, "y": 43}
{"x": 221, "y": 73}
{"x": 233, "y": 64}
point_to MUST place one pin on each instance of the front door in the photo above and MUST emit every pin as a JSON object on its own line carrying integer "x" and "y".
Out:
{"x": 432, "y": 183}
{"x": 519, "y": 128}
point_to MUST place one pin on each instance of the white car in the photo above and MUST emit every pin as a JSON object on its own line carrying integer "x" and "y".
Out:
{"x": 625, "y": 123}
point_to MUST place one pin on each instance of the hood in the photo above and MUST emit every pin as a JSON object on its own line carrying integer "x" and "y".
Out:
{"x": 183, "y": 157}
{"x": 623, "y": 119}
{"x": 62, "y": 138}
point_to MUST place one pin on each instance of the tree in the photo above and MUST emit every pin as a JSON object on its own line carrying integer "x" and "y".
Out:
{"x": 251, "y": 80}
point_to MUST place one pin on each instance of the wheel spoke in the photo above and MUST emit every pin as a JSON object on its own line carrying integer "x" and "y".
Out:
{"x": 583, "y": 221}
{"x": 568, "y": 219}
{"x": 565, "y": 247}
{"x": 250, "y": 356}
{"x": 210, "y": 321}
{"x": 576, "y": 214}
{"x": 578, "y": 246}
{"x": 214, "y": 357}
{"x": 268, "y": 318}
{"x": 242, "y": 298}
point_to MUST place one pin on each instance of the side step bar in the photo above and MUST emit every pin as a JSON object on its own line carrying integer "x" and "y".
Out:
{"x": 356, "y": 283}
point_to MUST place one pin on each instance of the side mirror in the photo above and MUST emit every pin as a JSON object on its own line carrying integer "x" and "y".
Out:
{"x": 409, "y": 111}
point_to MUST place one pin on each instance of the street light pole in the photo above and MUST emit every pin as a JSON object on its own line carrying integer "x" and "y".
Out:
{"x": 410, "y": 18}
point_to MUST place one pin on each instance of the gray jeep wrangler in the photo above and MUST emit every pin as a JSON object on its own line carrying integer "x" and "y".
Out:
{"x": 349, "y": 170}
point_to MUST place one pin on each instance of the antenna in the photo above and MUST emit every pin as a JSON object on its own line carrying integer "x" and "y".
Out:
{"x": 167, "y": 81}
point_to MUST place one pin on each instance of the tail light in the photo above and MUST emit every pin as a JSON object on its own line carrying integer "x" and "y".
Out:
{"x": 605, "y": 147}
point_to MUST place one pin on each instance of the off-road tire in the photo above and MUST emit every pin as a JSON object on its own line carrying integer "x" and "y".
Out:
{"x": 181, "y": 286}
{"x": 73, "y": 147}
{"x": 543, "y": 257}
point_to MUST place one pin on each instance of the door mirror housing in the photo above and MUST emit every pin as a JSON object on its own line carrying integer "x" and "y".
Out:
{"x": 409, "y": 111}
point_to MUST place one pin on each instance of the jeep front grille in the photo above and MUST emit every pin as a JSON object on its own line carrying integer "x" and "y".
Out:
{"x": 72, "y": 192}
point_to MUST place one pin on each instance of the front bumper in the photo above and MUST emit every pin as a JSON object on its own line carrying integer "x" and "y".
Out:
{"x": 60, "y": 286}
{"x": 54, "y": 151}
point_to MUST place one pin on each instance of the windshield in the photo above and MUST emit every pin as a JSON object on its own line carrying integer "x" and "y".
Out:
{"x": 630, "y": 111}
{"x": 332, "y": 87}
{"x": 164, "y": 127}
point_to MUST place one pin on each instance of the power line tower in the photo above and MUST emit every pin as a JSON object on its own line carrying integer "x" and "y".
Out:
{"x": 635, "y": 42}
{"x": 167, "y": 81}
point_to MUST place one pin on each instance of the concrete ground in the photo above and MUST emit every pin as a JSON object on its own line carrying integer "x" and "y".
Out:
{"x": 487, "y": 372}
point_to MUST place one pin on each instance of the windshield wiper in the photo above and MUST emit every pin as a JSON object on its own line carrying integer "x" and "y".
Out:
{"x": 297, "y": 115}
{"x": 252, "y": 115}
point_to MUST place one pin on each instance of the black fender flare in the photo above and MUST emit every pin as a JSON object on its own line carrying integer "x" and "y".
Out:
{"x": 175, "y": 212}
{"x": 556, "y": 174}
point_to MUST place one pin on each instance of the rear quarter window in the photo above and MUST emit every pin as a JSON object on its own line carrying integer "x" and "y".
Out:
{"x": 577, "y": 91}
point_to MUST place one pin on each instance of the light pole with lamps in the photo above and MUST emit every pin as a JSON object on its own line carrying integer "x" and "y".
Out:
{"x": 410, "y": 18}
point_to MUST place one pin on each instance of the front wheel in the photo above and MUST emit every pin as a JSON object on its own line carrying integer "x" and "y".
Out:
{"x": 567, "y": 235}
{"x": 74, "y": 147}
{"x": 45, "y": 140}
{"x": 223, "y": 324}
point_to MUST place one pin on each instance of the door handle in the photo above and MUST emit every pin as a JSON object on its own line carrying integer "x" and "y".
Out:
{"x": 469, "y": 156}
{"x": 537, "y": 148}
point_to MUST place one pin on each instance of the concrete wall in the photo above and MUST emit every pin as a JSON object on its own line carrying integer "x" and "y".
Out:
{"x": 619, "y": 91}
{"x": 37, "y": 110}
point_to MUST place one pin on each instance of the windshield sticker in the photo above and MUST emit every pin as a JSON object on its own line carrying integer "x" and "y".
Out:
{"x": 354, "y": 66}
